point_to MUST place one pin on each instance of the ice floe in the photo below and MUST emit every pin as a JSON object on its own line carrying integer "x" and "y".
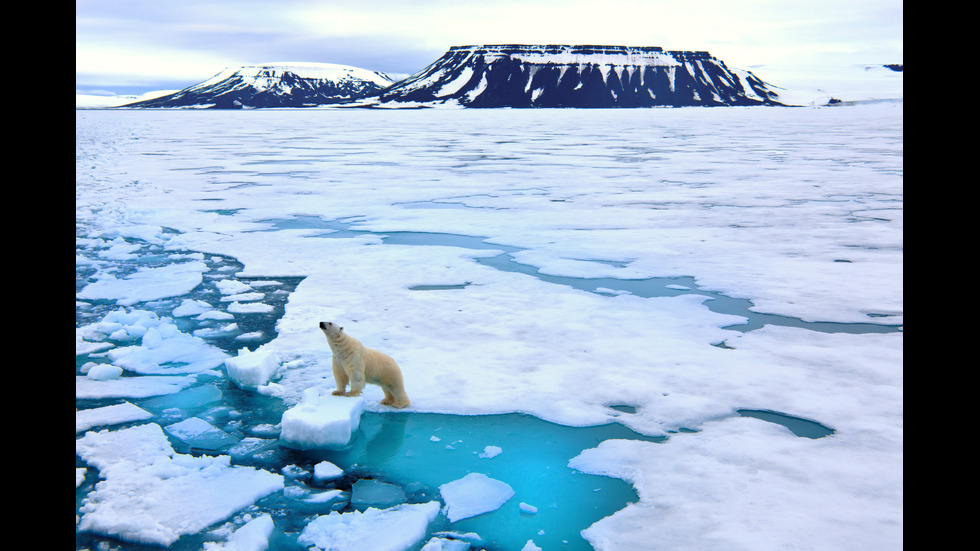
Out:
{"x": 394, "y": 529}
{"x": 321, "y": 421}
{"x": 473, "y": 495}
{"x": 149, "y": 494}
{"x": 250, "y": 370}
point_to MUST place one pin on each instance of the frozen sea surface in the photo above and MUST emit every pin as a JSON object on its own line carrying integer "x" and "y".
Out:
{"x": 725, "y": 285}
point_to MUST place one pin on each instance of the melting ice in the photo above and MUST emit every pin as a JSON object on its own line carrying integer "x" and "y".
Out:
{"x": 551, "y": 283}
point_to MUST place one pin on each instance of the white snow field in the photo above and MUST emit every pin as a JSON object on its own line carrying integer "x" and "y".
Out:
{"x": 500, "y": 257}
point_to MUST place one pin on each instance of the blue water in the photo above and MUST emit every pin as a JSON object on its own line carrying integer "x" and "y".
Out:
{"x": 418, "y": 452}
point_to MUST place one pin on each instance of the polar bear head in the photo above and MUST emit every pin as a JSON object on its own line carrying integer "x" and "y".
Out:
{"x": 330, "y": 329}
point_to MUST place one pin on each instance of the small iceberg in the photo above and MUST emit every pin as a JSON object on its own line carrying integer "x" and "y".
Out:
{"x": 473, "y": 495}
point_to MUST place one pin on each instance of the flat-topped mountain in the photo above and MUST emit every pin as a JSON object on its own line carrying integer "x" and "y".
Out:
{"x": 578, "y": 76}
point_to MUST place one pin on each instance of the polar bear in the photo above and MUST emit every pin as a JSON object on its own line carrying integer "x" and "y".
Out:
{"x": 357, "y": 364}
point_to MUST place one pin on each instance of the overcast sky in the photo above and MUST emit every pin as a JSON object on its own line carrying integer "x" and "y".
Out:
{"x": 126, "y": 45}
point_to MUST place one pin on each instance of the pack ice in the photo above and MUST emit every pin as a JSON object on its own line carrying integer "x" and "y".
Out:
{"x": 152, "y": 495}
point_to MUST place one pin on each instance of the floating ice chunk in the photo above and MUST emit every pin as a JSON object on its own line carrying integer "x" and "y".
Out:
{"x": 374, "y": 493}
{"x": 253, "y": 536}
{"x": 244, "y": 297}
{"x": 83, "y": 346}
{"x": 321, "y": 421}
{"x": 529, "y": 509}
{"x": 217, "y": 315}
{"x": 129, "y": 387}
{"x": 251, "y": 336}
{"x": 490, "y": 452}
{"x": 250, "y": 446}
{"x": 109, "y": 415}
{"x": 104, "y": 372}
{"x": 250, "y": 370}
{"x": 529, "y": 546}
{"x": 395, "y": 529}
{"x": 164, "y": 349}
{"x": 325, "y": 471}
{"x": 473, "y": 495}
{"x": 327, "y": 497}
{"x": 201, "y": 435}
{"x": 119, "y": 249}
{"x": 210, "y": 332}
{"x": 153, "y": 495}
{"x": 249, "y": 308}
{"x": 147, "y": 284}
{"x": 191, "y": 307}
{"x": 445, "y": 544}
{"x": 232, "y": 286}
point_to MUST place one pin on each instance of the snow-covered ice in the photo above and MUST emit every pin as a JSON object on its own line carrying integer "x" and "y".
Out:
{"x": 251, "y": 370}
{"x": 393, "y": 529}
{"x": 473, "y": 495}
{"x": 321, "y": 420}
{"x": 252, "y": 536}
{"x": 325, "y": 471}
{"x": 799, "y": 211}
{"x": 490, "y": 452}
{"x": 150, "y": 494}
{"x": 109, "y": 415}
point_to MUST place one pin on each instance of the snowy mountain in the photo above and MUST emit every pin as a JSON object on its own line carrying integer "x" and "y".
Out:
{"x": 578, "y": 76}
{"x": 276, "y": 85}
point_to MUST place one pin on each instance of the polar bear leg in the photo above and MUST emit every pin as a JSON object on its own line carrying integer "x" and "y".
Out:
{"x": 395, "y": 395}
{"x": 340, "y": 377}
{"x": 356, "y": 376}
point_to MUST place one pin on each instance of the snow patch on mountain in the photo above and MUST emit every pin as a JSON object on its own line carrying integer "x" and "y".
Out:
{"x": 283, "y": 84}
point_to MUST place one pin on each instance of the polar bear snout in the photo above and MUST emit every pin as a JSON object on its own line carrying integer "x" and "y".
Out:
{"x": 330, "y": 328}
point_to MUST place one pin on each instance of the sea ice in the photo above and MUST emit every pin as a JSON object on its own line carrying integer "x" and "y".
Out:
{"x": 249, "y": 308}
{"x": 109, "y": 415}
{"x": 253, "y": 536}
{"x": 130, "y": 387}
{"x": 165, "y": 350}
{"x": 191, "y": 307}
{"x": 473, "y": 495}
{"x": 250, "y": 370}
{"x": 395, "y": 529}
{"x": 320, "y": 421}
{"x": 152, "y": 495}
{"x": 147, "y": 284}
{"x": 232, "y": 287}
{"x": 490, "y": 452}
{"x": 326, "y": 471}
{"x": 104, "y": 372}
{"x": 445, "y": 544}
{"x": 812, "y": 196}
